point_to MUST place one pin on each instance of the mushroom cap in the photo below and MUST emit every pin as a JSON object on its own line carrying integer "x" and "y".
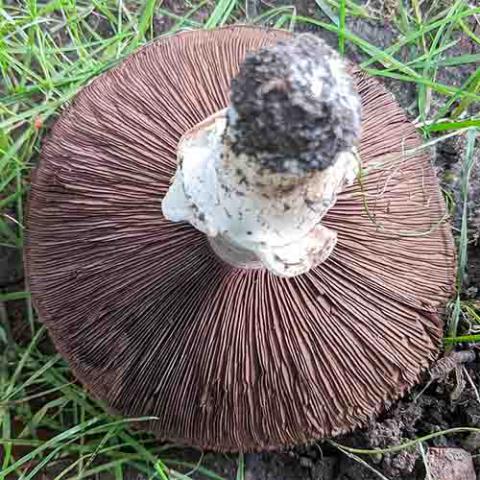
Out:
{"x": 154, "y": 324}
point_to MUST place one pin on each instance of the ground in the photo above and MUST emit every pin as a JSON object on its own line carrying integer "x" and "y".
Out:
{"x": 428, "y": 55}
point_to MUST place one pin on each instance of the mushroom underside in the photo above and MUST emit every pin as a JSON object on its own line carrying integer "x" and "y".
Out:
{"x": 154, "y": 324}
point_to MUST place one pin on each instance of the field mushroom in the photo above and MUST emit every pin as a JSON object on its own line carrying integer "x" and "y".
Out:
{"x": 258, "y": 177}
{"x": 234, "y": 329}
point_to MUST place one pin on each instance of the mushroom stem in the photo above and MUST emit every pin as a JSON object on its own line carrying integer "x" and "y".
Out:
{"x": 258, "y": 177}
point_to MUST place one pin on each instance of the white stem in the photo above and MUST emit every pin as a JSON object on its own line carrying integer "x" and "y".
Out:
{"x": 251, "y": 213}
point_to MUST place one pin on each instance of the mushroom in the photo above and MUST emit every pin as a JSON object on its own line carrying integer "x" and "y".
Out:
{"x": 295, "y": 282}
{"x": 258, "y": 177}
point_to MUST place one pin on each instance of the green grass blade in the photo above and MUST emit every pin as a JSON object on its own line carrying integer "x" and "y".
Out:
{"x": 342, "y": 25}
{"x": 221, "y": 13}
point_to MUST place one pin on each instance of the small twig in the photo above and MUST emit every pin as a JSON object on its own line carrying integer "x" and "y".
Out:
{"x": 472, "y": 383}
{"x": 428, "y": 475}
{"x": 442, "y": 368}
{"x": 359, "y": 460}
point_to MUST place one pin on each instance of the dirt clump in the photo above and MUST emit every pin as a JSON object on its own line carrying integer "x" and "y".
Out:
{"x": 450, "y": 464}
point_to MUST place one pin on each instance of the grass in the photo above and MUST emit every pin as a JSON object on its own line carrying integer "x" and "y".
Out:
{"x": 48, "y": 50}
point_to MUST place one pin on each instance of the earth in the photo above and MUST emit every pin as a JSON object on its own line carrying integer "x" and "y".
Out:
{"x": 447, "y": 397}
